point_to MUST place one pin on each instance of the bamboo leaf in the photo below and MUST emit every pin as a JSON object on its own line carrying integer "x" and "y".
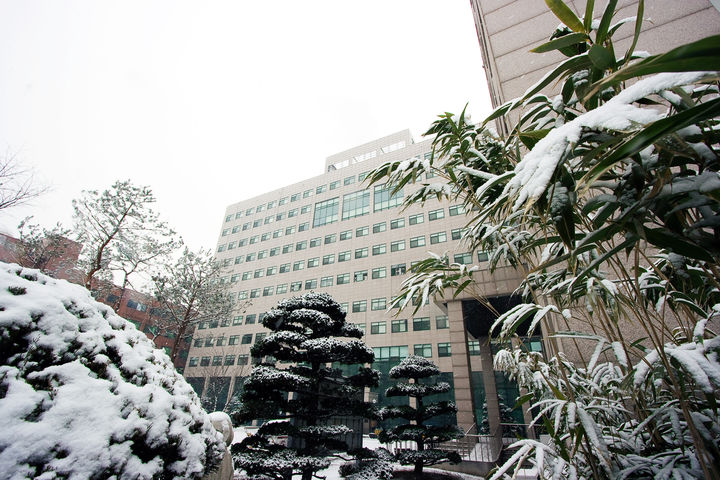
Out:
{"x": 697, "y": 56}
{"x": 589, "y": 9}
{"x": 566, "y": 15}
{"x": 638, "y": 26}
{"x": 664, "y": 238}
{"x": 601, "y": 57}
{"x": 562, "y": 42}
{"x": 649, "y": 135}
{"x": 605, "y": 22}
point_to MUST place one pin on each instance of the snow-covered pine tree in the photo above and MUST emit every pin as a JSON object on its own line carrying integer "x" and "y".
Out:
{"x": 309, "y": 333}
{"x": 419, "y": 369}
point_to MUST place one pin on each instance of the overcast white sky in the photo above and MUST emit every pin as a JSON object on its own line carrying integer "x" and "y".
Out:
{"x": 212, "y": 102}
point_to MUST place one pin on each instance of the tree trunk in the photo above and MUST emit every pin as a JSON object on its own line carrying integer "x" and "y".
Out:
{"x": 419, "y": 422}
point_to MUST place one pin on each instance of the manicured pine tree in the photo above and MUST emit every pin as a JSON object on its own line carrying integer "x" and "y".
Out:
{"x": 416, "y": 369}
{"x": 309, "y": 333}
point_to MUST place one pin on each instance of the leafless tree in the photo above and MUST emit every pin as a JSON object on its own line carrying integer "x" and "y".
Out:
{"x": 17, "y": 183}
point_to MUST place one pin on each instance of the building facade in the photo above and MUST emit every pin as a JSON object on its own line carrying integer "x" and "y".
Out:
{"x": 332, "y": 233}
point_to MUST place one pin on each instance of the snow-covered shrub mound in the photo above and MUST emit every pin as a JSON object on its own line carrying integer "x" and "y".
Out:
{"x": 85, "y": 395}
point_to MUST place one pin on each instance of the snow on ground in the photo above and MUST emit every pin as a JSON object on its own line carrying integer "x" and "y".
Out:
{"x": 332, "y": 472}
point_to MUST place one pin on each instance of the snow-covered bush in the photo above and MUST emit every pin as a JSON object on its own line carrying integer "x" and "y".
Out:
{"x": 85, "y": 395}
{"x": 308, "y": 334}
{"x": 419, "y": 369}
{"x": 606, "y": 198}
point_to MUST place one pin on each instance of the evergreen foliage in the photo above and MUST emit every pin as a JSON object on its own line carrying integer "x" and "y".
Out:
{"x": 308, "y": 333}
{"x": 85, "y": 395}
{"x": 419, "y": 369}
{"x": 610, "y": 210}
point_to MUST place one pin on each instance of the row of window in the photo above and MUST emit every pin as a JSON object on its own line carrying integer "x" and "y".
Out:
{"x": 376, "y": 328}
{"x": 296, "y": 196}
{"x": 327, "y": 211}
{"x": 381, "y": 353}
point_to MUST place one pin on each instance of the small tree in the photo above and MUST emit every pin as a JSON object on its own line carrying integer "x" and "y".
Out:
{"x": 189, "y": 291}
{"x": 119, "y": 231}
{"x": 417, "y": 369}
{"x": 43, "y": 249}
{"x": 310, "y": 333}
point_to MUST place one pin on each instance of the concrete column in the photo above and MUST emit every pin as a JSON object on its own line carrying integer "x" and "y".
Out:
{"x": 460, "y": 366}
{"x": 491, "y": 396}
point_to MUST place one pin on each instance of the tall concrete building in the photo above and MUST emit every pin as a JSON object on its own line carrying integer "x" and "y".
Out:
{"x": 332, "y": 233}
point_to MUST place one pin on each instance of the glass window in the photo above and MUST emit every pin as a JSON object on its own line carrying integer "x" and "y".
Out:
{"x": 307, "y": 193}
{"x": 271, "y": 204}
{"x": 326, "y": 282}
{"x": 334, "y": 185}
{"x": 243, "y": 358}
{"x": 397, "y": 223}
{"x": 303, "y": 227}
{"x": 483, "y": 256}
{"x": 343, "y": 278}
{"x": 456, "y": 210}
{"x": 250, "y": 319}
{"x": 260, "y": 336}
{"x": 378, "y": 327}
{"x": 311, "y": 284}
{"x": 292, "y": 213}
{"x": 265, "y": 236}
{"x": 275, "y": 251}
{"x": 229, "y": 359}
{"x": 361, "y": 276}
{"x": 444, "y": 350}
{"x": 378, "y": 303}
{"x": 284, "y": 268}
{"x": 320, "y": 189}
{"x": 221, "y": 248}
{"x": 193, "y": 361}
{"x": 205, "y": 362}
{"x": 415, "y": 219}
{"x": 198, "y": 342}
{"x": 249, "y": 211}
{"x": 344, "y": 256}
{"x": 257, "y": 223}
{"x": 209, "y": 341}
{"x": 436, "y": 214}
{"x": 269, "y": 219}
{"x": 421, "y": 323}
{"x": 315, "y": 242}
{"x": 271, "y": 271}
{"x": 397, "y": 246}
{"x": 295, "y": 197}
{"x": 238, "y": 320}
{"x": 243, "y": 242}
{"x": 349, "y": 180}
{"x": 328, "y": 259}
{"x": 246, "y": 226}
{"x": 326, "y": 212}
{"x": 441, "y": 321}
{"x": 330, "y": 238}
{"x": 267, "y": 291}
{"x": 463, "y": 258}
{"x": 243, "y": 295}
{"x": 399, "y": 326}
{"x": 356, "y": 204}
{"x": 234, "y": 340}
{"x": 225, "y": 232}
{"x": 346, "y": 235}
{"x": 250, "y": 257}
{"x": 277, "y": 233}
{"x": 417, "y": 241}
{"x": 236, "y": 229}
{"x": 262, "y": 254}
{"x": 383, "y": 198}
{"x": 361, "y": 252}
{"x": 379, "y": 272}
{"x": 295, "y": 286}
{"x": 387, "y": 353}
{"x": 359, "y": 306}
{"x": 259, "y": 208}
{"x": 280, "y": 289}
{"x": 313, "y": 262}
{"x": 299, "y": 265}
{"x": 287, "y": 248}
{"x": 362, "y": 231}
{"x": 301, "y": 245}
{"x": 255, "y": 293}
{"x": 473, "y": 347}
{"x": 220, "y": 341}
{"x": 439, "y": 237}
{"x": 305, "y": 208}
{"x": 280, "y": 216}
{"x": 259, "y": 273}
{"x": 379, "y": 249}
{"x": 423, "y": 350}
{"x": 254, "y": 239}
{"x": 247, "y": 275}
{"x": 283, "y": 201}
{"x": 456, "y": 233}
